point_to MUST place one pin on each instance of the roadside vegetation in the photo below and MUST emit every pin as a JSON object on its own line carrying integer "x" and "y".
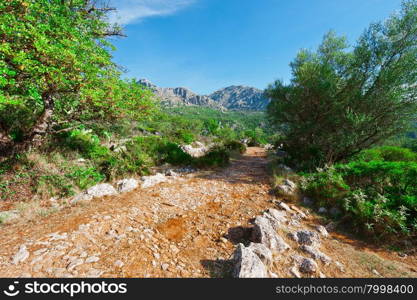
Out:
{"x": 67, "y": 119}
{"x": 347, "y": 122}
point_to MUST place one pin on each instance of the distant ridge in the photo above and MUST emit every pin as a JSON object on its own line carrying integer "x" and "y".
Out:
{"x": 229, "y": 98}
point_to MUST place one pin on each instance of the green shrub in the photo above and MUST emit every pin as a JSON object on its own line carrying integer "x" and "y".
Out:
{"x": 186, "y": 136}
{"x": 173, "y": 154}
{"x": 388, "y": 153}
{"x": 379, "y": 197}
{"x": 85, "y": 177}
{"x": 235, "y": 146}
{"x": 216, "y": 157}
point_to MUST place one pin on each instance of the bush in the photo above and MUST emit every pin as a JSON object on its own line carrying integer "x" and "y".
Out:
{"x": 216, "y": 157}
{"x": 344, "y": 99}
{"x": 85, "y": 177}
{"x": 173, "y": 154}
{"x": 235, "y": 146}
{"x": 379, "y": 197}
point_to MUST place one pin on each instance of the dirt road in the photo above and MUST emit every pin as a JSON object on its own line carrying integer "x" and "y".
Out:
{"x": 183, "y": 228}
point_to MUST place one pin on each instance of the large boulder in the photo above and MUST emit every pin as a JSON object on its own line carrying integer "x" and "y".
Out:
{"x": 248, "y": 264}
{"x": 99, "y": 190}
{"x": 263, "y": 232}
{"x": 197, "y": 149}
{"x": 264, "y": 254}
{"x": 276, "y": 217}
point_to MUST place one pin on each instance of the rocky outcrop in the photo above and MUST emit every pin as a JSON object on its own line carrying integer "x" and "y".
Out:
{"x": 264, "y": 233}
{"x": 179, "y": 96}
{"x": 240, "y": 98}
{"x": 248, "y": 264}
{"x": 232, "y": 97}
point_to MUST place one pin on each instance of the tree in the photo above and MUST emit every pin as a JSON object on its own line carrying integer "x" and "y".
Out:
{"x": 340, "y": 102}
{"x": 55, "y": 66}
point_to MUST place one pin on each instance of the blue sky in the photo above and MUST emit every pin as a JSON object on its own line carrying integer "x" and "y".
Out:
{"x": 206, "y": 45}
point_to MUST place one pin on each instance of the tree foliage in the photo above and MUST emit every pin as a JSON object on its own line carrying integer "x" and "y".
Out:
{"x": 55, "y": 66}
{"x": 344, "y": 99}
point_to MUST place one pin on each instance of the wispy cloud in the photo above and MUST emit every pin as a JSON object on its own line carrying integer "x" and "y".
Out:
{"x": 132, "y": 11}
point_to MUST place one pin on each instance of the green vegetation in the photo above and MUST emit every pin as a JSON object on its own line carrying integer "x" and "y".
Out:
{"x": 56, "y": 70}
{"x": 345, "y": 122}
{"x": 378, "y": 196}
{"x": 229, "y": 125}
{"x": 340, "y": 102}
{"x": 68, "y": 120}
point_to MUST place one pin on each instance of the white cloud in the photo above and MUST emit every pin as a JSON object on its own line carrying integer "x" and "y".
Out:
{"x": 131, "y": 11}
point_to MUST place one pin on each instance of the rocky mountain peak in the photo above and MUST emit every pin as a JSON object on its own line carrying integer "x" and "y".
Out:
{"x": 236, "y": 97}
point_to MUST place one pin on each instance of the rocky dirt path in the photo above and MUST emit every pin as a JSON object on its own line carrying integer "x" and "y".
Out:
{"x": 188, "y": 227}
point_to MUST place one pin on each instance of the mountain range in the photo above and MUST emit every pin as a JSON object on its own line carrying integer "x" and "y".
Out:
{"x": 236, "y": 97}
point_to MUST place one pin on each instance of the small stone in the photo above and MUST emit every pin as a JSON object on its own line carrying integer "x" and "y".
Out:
{"x": 99, "y": 190}
{"x": 119, "y": 263}
{"x": 40, "y": 251}
{"x": 272, "y": 275}
{"x": 322, "y": 230}
{"x": 174, "y": 249}
{"x": 294, "y": 272}
{"x": 56, "y": 236}
{"x": 306, "y": 237}
{"x": 316, "y": 254}
{"x": 331, "y": 226}
{"x": 171, "y": 173}
{"x": 21, "y": 255}
{"x": 376, "y": 272}
{"x": 127, "y": 185}
{"x": 164, "y": 267}
{"x": 322, "y": 210}
{"x": 92, "y": 259}
{"x": 335, "y": 212}
{"x": 8, "y": 215}
{"x": 340, "y": 266}
{"x": 94, "y": 273}
{"x": 308, "y": 266}
{"x": 308, "y": 201}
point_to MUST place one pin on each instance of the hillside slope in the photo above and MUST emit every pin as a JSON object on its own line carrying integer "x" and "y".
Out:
{"x": 187, "y": 227}
{"x": 231, "y": 98}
